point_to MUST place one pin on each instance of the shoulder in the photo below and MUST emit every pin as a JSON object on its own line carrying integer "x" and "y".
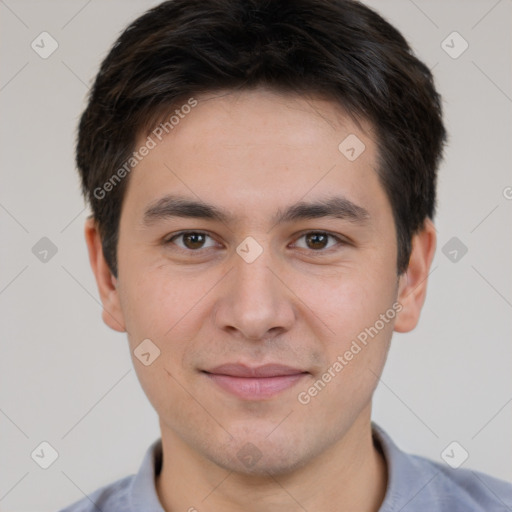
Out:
{"x": 463, "y": 490}
{"x": 129, "y": 494}
{"x": 421, "y": 484}
{"x": 110, "y": 498}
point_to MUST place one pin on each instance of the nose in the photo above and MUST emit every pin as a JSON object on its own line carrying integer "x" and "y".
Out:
{"x": 254, "y": 301}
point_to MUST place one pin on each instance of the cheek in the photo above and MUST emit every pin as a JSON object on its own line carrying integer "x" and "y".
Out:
{"x": 155, "y": 309}
{"x": 168, "y": 309}
{"x": 355, "y": 358}
{"x": 357, "y": 340}
{"x": 349, "y": 301}
{"x": 155, "y": 304}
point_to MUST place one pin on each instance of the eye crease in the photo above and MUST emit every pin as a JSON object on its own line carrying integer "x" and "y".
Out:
{"x": 193, "y": 241}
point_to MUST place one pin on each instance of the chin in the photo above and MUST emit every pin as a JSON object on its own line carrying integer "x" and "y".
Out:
{"x": 260, "y": 456}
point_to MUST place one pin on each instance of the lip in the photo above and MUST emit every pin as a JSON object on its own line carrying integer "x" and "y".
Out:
{"x": 266, "y": 370}
{"x": 255, "y": 383}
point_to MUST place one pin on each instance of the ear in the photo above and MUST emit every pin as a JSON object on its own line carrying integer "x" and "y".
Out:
{"x": 412, "y": 288}
{"x": 107, "y": 284}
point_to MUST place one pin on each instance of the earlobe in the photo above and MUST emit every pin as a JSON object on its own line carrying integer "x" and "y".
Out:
{"x": 413, "y": 283}
{"x": 107, "y": 283}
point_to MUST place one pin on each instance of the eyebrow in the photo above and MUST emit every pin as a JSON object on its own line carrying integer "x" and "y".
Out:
{"x": 338, "y": 207}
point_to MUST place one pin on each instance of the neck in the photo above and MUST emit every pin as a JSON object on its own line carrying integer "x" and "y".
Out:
{"x": 351, "y": 475}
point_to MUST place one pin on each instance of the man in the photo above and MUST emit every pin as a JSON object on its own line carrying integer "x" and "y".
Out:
{"x": 262, "y": 177}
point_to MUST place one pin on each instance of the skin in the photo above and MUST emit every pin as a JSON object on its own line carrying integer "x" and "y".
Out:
{"x": 296, "y": 304}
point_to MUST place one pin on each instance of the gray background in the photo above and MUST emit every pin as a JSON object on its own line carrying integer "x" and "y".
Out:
{"x": 68, "y": 380}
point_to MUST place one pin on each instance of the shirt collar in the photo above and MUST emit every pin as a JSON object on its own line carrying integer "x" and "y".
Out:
{"x": 405, "y": 476}
{"x": 408, "y": 475}
{"x": 143, "y": 495}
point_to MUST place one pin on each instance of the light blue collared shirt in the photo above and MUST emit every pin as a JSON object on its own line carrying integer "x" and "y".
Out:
{"x": 415, "y": 484}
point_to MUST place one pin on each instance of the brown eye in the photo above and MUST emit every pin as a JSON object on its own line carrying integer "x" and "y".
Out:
{"x": 191, "y": 240}
{"x": 316, "y": 240}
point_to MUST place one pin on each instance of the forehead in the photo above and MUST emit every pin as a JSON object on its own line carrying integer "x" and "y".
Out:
{"x": 254, "y": 152}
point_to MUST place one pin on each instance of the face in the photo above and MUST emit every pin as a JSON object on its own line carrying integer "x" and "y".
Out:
{"x": 273, "y": 317}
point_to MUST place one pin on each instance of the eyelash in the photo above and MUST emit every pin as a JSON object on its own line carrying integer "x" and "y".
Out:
{"x": 169, "y": 240}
